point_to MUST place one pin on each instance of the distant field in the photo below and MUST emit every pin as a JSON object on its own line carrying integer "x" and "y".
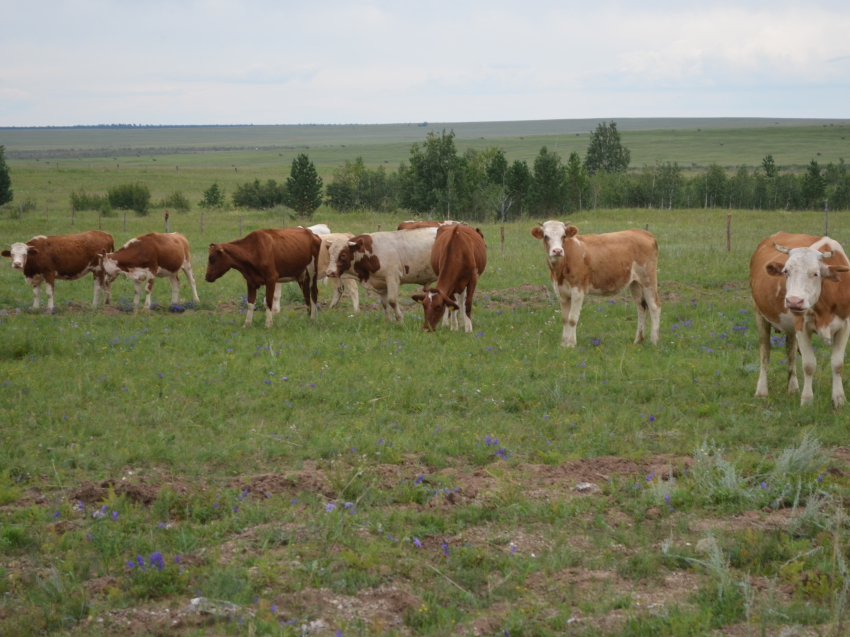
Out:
{"x": 727, "y": 141}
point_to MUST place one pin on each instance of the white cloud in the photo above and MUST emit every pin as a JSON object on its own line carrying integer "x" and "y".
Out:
{"x": 219, "y": 61}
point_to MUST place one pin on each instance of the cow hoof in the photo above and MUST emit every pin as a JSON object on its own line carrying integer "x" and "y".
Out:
{"x": 838, "y": 402}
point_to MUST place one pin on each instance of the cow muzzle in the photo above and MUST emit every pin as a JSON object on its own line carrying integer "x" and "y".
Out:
{"x": 331, "y": 273}
{"x": 556, "y": 252}
{"x": 795, "y": 304}
{"x": 17, "y": 265}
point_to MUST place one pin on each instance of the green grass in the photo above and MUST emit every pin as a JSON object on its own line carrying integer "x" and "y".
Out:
{"x": 471, "y": 444}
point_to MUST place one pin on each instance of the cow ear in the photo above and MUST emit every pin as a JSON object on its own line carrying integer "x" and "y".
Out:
{"x": 775, "y": 268}
{"x": 570, "y": 232}
{"x": 537, "y": 232}
{"x": 830, "y": 272}
{"x": 6, "y": 253}
{"x": 212, "y": 245}
{"x": 451, "y": 303}
{"x": 418, "y": 297}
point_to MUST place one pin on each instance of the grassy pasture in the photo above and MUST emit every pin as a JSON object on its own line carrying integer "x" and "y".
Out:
{"x": 414, "y": 484}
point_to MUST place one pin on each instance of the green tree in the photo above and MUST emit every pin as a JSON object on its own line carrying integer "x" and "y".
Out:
{"x": 6, "y": 193}
{"x": 518, "y": 182}
{"x": 669, "y": 183}
{"x": 577, "y": 184}
{"x": 606, "y": 151}
{"x": 259, "y": 196}
{"x": 497, "y": 169}
{"x": 813, "y": 185}
{"x": 435, "y": 178}
{"x": 303, "y": 187}
{"x": 548, "y": 185}
{"x": 213, "y": 197}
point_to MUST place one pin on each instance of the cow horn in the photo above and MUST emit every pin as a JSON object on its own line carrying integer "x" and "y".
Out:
{"x": 540, "y": 223}
{"x": 782, "y": 249}
{"x": 826, "y": 255}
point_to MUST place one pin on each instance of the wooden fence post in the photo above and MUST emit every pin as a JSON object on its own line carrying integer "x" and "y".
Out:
{"x": 502, "y": 232}
{"x": 728, "y": 233}
{"x": 379, "y": 227}
{"x": 166, "y": 221}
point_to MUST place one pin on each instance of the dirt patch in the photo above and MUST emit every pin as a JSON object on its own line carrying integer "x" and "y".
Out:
{"x": 382, "y": 608}
{"x": 772, "y": 521}
{"x": 88, "y": 492}
{"x": 32, "y": 496}
{"x": 599, "y": 471}
{"x": 246, "y": 543}
{"x": 291, "y": 483}
{"x": 101, "y": 585}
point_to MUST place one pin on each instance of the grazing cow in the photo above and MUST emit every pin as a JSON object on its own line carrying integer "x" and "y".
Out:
{"x": 384, "y": 260}
{"x": 459, "y": 256}
{"x": 341, "y": 284}
{"x": 601, "y": 264}
{"x": 266, "y": 257}
{"x": 64, "y": 257}
{"x": 149, "y": 257}
{"x": 319, "y": 228}
{"x": 801, "y": 286}
{"x": 415, "y": 225}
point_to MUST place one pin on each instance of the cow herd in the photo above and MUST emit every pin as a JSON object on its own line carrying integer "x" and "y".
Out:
{"x": 800, "y": 283}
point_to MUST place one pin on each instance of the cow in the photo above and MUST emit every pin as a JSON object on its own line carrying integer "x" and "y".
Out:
{"x": 147, "y": 258}
{"x": 64, "y": 257}
{"x": 458, "y": 258}
{"x": 384, "y": 260}
{"x": 266, "y": 257}
{"x": 319, "y": 228}
{"x": 415, "y": 225}
{"x": 601, "y": 264}
{"x": 801, "y": 286}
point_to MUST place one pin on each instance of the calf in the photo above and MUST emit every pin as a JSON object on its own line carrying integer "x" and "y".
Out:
{"x": 459, "y": 256}
{"x": 267, "y": 257}
{"x": 149, "y": 257}
{"x": 601, "y": 264}
{"x": 801, "y": 286}
{"x": 384, "y": 260}
{"x": 64, "y": 257}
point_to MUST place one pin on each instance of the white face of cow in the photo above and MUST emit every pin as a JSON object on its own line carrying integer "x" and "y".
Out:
{"x": 110, "y": 268}
{"x": 339, "y": 257}
{"x": 804, "y": 273}
{"x": 18, "y": 253}
{"x": 553, "y": 234}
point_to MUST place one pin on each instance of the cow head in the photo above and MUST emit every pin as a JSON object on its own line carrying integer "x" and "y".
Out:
{"x": 804, "y": 273}
{"x": 434, "y": 303}
{"x": 19, "y": 253}
{"x": 341, "y": 256}
{"x": 108, "y": 266}
{"x": 554, "y": 235}
{"x": 218, "y": 262}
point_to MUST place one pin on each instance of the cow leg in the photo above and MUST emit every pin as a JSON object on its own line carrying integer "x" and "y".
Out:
{"x": 187, "y": 270}
{"x": 354, "y": 293}
{"x": 764, "y": 354}
{"x": 175, "y": 289}
{"x": 149, "y": 293}
{"x": 36, "y": 294}
{"x": 249, "y": 314}
{"x": 807, "y": 353}
{"x": 839, "y": 344}
{"x": 650, "y": 295}
{"x": 339, "y": 288}
{"x": 640, "y": 303}
{"x": 392, "y": 300}
{"x": 791, "y": 358}
{"x": 278, "y": 289}
{"x": 48, "y": 285}
{"x": 310, "y": 288}
{"x": 271, "y": 288}
{"x": 568, "y": 303}
{"x": 467, "y": 302}
{"x": 96, "y": 292}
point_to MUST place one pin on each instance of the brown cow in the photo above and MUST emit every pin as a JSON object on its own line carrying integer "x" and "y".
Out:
{"x": 149, "y": 257}
{"x": 601, "y": 264}
{"x": 458, "y": 257}
{"x": 266, "y": 257}
{"x": 64, "y": 257}
{"x": 801, "y": 286}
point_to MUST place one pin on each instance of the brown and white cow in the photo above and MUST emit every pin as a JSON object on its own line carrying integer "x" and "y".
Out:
{"x": 384, "y": 260}
{"x": 266, "y": 257}
{"x": 64, "y": 257}
{"x": 459, "y": 256}
{"x": 149, "y": 257}
{"x": 415, "y": 225}
{"x": 801, "y": 286}
{"x": 601, "y": 264}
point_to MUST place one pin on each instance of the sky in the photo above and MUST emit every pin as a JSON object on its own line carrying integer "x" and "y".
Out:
{"x": 84, "y": 62}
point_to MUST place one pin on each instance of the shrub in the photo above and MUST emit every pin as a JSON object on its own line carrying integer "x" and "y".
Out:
{"x": 175, "y": 201}
{"x": 84, "y": 201}
{"x": 131, "y": 196}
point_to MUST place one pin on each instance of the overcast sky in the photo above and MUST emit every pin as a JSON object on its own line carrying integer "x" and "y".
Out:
{"x": 278, "y": 62}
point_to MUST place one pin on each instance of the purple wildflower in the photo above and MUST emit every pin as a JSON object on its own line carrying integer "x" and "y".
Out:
{"x": 330, "y": 507}
{"x": 114, "y": 515}
{"x": 417, "y": 543}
